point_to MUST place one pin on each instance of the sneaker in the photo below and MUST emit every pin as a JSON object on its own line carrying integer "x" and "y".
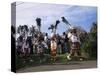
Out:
{"x": 68, "y": 57}
{"x": 80, "y": 59}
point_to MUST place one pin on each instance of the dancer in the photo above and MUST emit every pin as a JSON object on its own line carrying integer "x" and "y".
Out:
{"x": 53, "y": 48}
{"x": 74, "y": 42}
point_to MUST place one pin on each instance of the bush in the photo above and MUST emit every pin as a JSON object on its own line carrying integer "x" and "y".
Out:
{"x": 90, "y": 44}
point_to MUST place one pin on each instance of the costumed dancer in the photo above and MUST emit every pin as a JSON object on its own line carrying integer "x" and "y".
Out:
{"x": 74, "y": 42}
{"x": 53, "y": 48}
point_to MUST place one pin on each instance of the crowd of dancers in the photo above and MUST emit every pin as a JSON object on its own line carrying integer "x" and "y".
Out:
{"x": 35, "y": 42}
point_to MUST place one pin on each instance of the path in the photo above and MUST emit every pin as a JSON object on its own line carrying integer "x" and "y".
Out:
{"x": 59, "y": 66}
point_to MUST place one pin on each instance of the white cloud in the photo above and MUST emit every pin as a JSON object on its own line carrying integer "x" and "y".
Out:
{"x": 26, "y": 13}
{"x": 29, "y": 11}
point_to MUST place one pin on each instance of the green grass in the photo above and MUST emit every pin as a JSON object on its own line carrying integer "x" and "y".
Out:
{"x": 34, "y": 60}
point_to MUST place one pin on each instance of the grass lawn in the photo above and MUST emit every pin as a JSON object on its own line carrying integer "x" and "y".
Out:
{"x": 34, "y": 60}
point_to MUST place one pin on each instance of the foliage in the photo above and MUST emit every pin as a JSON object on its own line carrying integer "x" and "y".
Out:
{"x": 90, "y": 43}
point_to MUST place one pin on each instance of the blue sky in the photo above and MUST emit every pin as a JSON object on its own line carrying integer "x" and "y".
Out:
{"x": 83, "y": 16}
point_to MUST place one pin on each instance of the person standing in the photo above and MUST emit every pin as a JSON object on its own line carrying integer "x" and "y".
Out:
{"x": 53, "y": 48}
{"x": 64, "y": 43}
{"x": 26, "y": 49}
{"x": 59, "y": 48}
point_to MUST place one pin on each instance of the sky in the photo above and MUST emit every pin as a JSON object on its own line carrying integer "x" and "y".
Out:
{"x": 84, "y": 16}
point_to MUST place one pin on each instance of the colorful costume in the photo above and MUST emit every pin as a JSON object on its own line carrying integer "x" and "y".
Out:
{"x": 75, "y": 43}
{"x": 53, "y": 48}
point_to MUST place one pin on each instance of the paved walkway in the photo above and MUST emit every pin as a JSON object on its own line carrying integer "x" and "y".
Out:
{"x": 58, "y": 66}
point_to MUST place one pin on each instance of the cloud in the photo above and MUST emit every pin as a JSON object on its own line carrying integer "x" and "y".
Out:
{"x": 45, "y": 11}
{"x": 26, "y": 13}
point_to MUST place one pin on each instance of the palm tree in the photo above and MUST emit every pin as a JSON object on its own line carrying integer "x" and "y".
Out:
{"x": 57, "y": 22}
{"x": 32, "y": 30}
{"x": 38, "y": 20}
{"x": 54, "y": 27}
{"x": 51, "y": 27}
{"x": 26, "y": 28}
